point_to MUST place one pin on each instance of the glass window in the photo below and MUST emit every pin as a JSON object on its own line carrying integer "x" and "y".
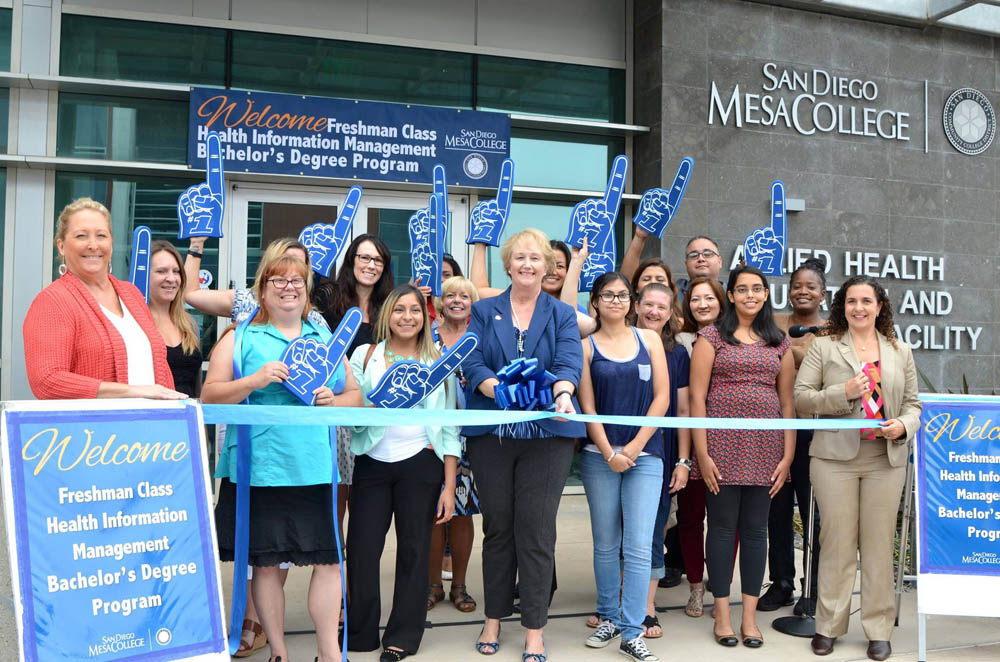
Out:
{"x": 550, "y": 88}
{"x": 125, "y": 129}
{"x": 137, "y": 201}
{"x": 5, "y": 31}
{"x": 4, "y": 117}
{"x": 94, "y": 47}
{"x": 563, "y": 160}
{"x": 351, "y": 70}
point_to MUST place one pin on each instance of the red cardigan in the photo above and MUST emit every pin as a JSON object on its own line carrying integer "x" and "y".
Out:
{"x": 70, "y": 346}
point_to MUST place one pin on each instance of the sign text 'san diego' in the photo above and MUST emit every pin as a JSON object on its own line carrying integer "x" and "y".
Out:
{"x": 298, "y": 135}
{"x": 109, "y": 520}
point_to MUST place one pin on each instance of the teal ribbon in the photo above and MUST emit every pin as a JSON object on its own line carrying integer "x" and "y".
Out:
{"x": 350, "y": 416}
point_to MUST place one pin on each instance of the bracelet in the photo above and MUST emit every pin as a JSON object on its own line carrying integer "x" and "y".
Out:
{"x": 196, "y": 254}
{"x": 566, "y": 391}
{"x": 612, "y": 456}
{"x": 684, "y": 462}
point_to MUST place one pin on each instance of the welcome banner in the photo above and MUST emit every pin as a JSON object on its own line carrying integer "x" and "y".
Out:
{"x": 290, "y": 134}
{"x": 111, "y": 534}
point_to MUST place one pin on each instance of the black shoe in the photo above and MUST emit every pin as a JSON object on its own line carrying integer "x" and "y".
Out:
{"x": 822, "y": 645}
{"x": 879, "y": 650}
{"x": 778, "y": 595}
{"x": 516, "y": 608}
{"x": 671, "y": 577}
{"x": 391, "y": 655}
{"x": 805, "y": 606}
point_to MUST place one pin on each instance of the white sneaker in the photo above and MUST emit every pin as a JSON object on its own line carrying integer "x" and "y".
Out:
{"x": 636, "y": 650}
{"x": 603, "y": 635}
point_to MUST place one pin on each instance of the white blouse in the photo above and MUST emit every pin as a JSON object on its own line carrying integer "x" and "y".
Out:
{"x": 138, "y": 351}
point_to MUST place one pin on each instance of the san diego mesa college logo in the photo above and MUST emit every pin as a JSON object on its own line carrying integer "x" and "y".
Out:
{"x": 969, "y": 121}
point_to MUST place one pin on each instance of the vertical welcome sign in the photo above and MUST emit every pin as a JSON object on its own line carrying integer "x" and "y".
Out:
{"x": 111, "y": 537}
{"x": 958, "y": 506}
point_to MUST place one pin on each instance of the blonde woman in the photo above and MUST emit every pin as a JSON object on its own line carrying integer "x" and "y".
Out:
{"x": 453, "y": 309}
{"x": 88, "y": 334}
{"x": 166, "y": 303}
{"x": 398, "y": 472}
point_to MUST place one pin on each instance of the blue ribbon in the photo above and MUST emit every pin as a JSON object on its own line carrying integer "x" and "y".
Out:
{"x": 351, "y": 416}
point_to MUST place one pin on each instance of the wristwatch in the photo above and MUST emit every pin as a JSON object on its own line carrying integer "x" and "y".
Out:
{"x": 684, "y": 462}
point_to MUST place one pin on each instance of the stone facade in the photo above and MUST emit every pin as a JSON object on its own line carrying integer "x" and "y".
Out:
{"x": 862, "y": 193}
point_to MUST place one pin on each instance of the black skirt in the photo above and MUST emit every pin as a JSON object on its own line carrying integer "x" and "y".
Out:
{"x": 292, "y": 524}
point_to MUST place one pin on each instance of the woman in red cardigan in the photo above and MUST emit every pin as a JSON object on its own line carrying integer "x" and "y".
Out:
{"x": 88, "y": 334}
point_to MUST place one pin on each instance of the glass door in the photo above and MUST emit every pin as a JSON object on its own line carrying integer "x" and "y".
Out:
{"x": 387, "y": 215}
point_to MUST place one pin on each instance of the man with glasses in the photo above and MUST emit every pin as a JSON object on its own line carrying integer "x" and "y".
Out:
{"x": 702, "y": 258}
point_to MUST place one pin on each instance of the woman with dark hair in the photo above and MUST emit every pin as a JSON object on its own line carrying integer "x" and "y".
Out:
{"x": 398, "y": 476}
{"x": 857, "y": 368}
{"x": 807, "y": 292}
{"x": 364, "y": 280}
{"x": 449, "y": 267}
{"x": 622, "y": 465}
{"x": 741, "y": 368}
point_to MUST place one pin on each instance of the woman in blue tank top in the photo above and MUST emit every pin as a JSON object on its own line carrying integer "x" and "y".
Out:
{"x": 624, "y": 373}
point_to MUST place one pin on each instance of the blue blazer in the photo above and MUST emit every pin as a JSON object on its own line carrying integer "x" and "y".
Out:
{"x": 553, "y": 338}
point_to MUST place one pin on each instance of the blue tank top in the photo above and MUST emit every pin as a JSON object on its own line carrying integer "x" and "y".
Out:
{"x": 624, "y": 387}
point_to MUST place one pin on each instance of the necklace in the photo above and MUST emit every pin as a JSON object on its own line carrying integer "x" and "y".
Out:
{"x": 393, "y": 357}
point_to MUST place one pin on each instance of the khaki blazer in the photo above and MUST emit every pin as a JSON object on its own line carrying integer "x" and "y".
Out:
{"x": 820, "y": 390}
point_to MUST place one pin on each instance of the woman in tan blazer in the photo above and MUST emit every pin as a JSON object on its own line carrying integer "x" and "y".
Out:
{"x": 858, "y": 366}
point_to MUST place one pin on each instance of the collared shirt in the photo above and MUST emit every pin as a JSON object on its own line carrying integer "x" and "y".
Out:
{"x": 281, "y": 454}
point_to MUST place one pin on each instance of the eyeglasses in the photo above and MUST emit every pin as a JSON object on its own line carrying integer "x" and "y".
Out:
{"x": 743, "y": 290}
{"x": 708, "y": 254}
{"x": 368, "y": 259}
{"x": 608, "y": 297}
{"x": 281, "y": 283}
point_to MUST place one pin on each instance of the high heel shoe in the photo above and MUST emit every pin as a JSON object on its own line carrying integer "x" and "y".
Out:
{"x": 493, "y": 645}
{"x": 535, "y": 657}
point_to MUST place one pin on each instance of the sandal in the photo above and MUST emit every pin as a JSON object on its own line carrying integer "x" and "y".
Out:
{"x": 535, "y": 657}
{"x": 392, "y": 655}
{"x": 695, "y": 606}
{"x": 593, "y": 620}
{"x": 462, "y": 600}
{"x": 435, "y": 594}
{"x": 259, "y": 639}
{"x": 651, "y": 622}
{"x": 492, "y": 646}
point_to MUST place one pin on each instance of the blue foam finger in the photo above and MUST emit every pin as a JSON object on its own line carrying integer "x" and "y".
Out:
{"x": 308, "y": 368}
{"x": 325, "y": 241}
{"x": 401, "y": 387}
{"x": 452, "y": 359}
{"x": 489, "y": 217}
{"x": 764, "y": 248}
{"x": 138, "y": 274}
{"x": 594, "y": 219}
{"x": 344, "y": 334}
{"x": 435, "y": 239}
{"x": 421, "y": 256}
{"x": 200, "y": 207}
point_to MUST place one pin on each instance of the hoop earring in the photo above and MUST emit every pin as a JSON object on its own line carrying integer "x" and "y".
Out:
{"x": 62, "y": 269}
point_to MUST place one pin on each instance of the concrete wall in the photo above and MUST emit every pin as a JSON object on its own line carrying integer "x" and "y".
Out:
{"x": 861, "y": 193}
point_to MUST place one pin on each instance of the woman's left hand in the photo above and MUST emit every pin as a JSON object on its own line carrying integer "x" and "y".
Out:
{"x": 893, "y": 428}
{"x": 779, "y": 477}
{"x": 679, "y": 479}
{"x": 324, "y": 396}
{"x": 446, "y": 506}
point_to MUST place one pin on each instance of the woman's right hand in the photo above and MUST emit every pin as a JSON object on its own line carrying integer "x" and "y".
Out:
{"x": 156, "y": 392}
{"x": 857, "y": 386}
{"x": 270, "y": 373}
{"x": 620, "y": 463}
{"x": 197, "y": 244}
{"x": 709, "y": 473}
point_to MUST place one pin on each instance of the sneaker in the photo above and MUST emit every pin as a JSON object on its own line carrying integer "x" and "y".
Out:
{"x": 636, "y": 650}
{"x": 671, "y": 577}
{"x": 603, "y": 635}
{"x": 778, "y": 595}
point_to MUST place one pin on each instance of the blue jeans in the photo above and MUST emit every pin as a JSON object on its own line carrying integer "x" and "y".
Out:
{"x": 622, "y": 512}
{"x": 662, "y": 515}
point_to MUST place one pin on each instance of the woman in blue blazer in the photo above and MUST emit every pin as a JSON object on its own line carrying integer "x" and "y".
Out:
{"x": 521, "y": 468}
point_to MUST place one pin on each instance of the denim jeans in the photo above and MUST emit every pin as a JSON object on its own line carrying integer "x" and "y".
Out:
{"x": 657, "y": 570}
{"x": 622, "y": 512}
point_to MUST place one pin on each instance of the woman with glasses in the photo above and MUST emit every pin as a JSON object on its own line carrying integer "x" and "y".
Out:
{"x": 291, "y": 469}
{"x": 741, "y": 368}
{"x": 364, "y": 280}
{"x": 622, "y": 465}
